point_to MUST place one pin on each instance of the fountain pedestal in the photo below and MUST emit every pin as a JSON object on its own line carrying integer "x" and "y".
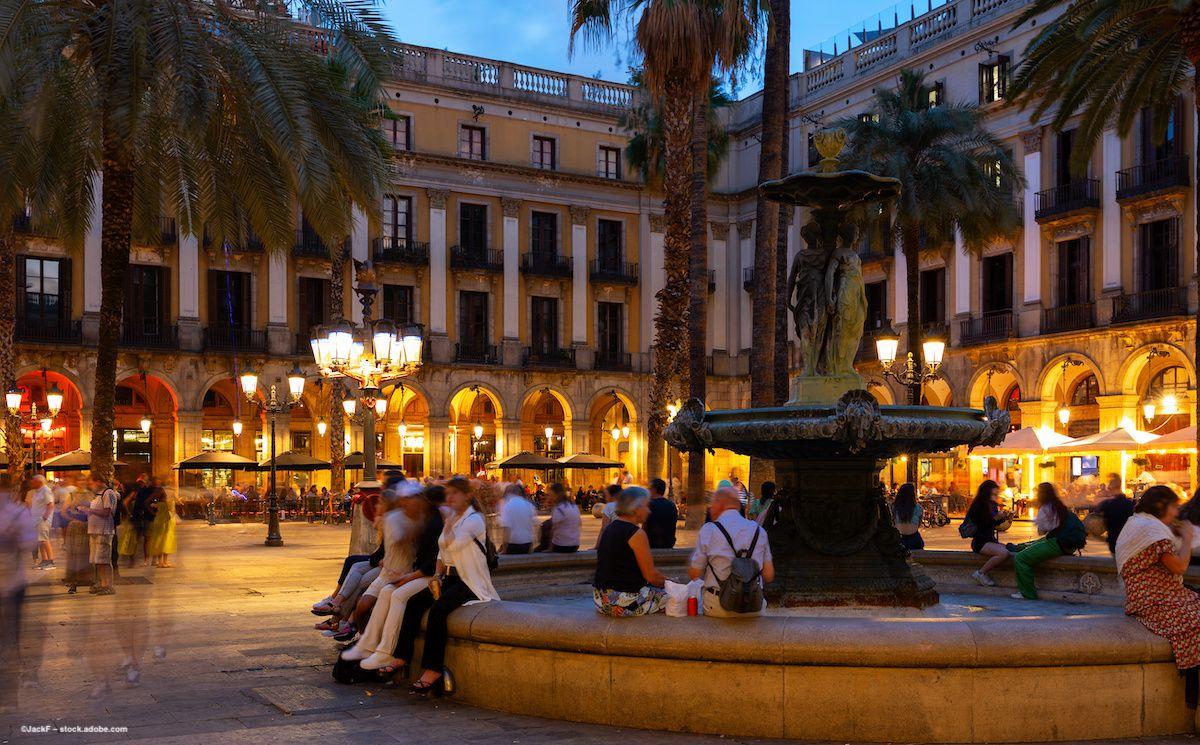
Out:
{"x": 833, "y": 540}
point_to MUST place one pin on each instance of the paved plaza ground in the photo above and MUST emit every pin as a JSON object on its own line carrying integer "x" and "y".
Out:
{"x": 239, "y": 660}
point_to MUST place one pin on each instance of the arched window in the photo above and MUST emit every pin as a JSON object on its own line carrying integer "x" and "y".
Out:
{"x": 1012, "y": 404}
{"x": 1084, "y": 408}
{"x": 1085, "y": 391}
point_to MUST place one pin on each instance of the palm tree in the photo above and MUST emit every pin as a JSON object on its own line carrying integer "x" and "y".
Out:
{"x": 1107, "y": 60}
{"x": 954, "y": 175}
{"x": 767, "y": 348}
{"x": 223, "y": 114}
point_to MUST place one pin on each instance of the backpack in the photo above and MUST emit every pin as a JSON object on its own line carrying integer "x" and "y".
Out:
{"x": 1071, "y": 535}
{"x": 741, "y": 591}
{"x": 967, "y": 528}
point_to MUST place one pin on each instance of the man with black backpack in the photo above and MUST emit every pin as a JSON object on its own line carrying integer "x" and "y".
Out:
{"x": 733, "y": 556}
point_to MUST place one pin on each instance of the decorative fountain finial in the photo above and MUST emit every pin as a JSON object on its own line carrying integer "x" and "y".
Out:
{"x": 829, "y": 143}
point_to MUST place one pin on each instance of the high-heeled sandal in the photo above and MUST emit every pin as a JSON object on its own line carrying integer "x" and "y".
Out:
{"x": 398, "y": 671}
{"x": 428, "y": 690}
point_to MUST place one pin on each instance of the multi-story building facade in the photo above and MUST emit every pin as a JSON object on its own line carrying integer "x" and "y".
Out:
{"x": 517, "y": 234}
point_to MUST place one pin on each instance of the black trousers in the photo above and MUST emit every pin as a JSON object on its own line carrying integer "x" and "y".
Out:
{"x": 349, "y": 562}
{"x": 454, "y": 594}
{"x": 564, "y": 549}
{"x": 518, "y": 548}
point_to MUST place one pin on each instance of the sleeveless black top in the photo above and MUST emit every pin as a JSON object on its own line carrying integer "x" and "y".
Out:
{"x": 616, "y": 566}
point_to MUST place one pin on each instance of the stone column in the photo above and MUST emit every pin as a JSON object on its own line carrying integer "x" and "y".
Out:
{"x": 437, "y": 430}
{"x": 508, "y": 432}
{"x": 745, "y": 230}
{"x": 440, "y": 347}
{"x": 1032, "y": 243}
{"x": 579, "y": 287}
{"x": 190, "y": 333}
{"x": 653, "y": 230}
{"x": 360, "y": 250}
{"x": 900, "y": 287}
{"x": 91, "y": 265}
{"x": 962, "y": 285}
{"x": 1110, "y": 230}
{"x": 580, "y": 437}
{"x": 718, "y": 323}
{"x": 191, "y": 427}
{"x": 510, "y": 342}
{"x": 279, "y": 341}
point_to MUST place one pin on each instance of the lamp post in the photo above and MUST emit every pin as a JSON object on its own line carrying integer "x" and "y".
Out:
{"x": 273, "y": 407}
{"x": 672, "y": 410}
{"x": 375, "y": 354}
{"x": 906, "y": 373}
{"x": 54, "y": 401}
{"x": 1064, "y": 411}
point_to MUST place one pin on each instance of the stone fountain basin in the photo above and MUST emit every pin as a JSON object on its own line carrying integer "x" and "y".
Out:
{"x": 877, "y": 678}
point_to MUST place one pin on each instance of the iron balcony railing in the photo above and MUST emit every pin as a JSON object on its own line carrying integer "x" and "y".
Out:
{"x": 545, "y": 264}
{"x": 252, "y": 244}
{"x": 548, "y": 357}
{"x": 1140, "y": 306}
{"x": 478, "y": 353}
{"x": 150, "y": 334}
{"x": 310, "y": 244}
{"x": 1074, "y": 317}
{"x": 607, "y": 359}
{"x": 400, "y": 250}
{"x": 614, "y": 272}
{"x": 235, "y": 339}
{"x": 1150, "y": 177}
{"x": 66, "y": 331}
{"x": 472, "y": 257}
{"x": 168, "y": 231}
{"x": 1079, "y": 194}
{"x": 993, "y": 326}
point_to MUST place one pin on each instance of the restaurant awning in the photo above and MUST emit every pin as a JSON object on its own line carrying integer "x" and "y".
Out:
{"x": 295, "y": 460}
{"x": 525, "y": 459}
{"x": 214, "y": 460}
{"x": 1120, "y": 438}
{"x": 354, "y": 461}
{"x": 1024, "y": 441}
{"x": 1179, "y": 441}
{"x": 587, "y": 460}
{"x": 76, "y": 460}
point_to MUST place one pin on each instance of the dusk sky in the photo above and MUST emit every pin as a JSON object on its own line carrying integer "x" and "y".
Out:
{"x": 534, "y": 32}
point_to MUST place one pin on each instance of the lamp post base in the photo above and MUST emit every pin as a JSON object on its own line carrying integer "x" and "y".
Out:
{"x": 273, "y": 541}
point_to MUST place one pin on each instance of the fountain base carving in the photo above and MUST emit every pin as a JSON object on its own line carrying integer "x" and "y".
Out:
{"x": 833, "y": 540}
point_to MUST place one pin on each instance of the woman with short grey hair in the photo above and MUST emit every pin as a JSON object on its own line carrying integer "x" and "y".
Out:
{"x": 626, "y": 582}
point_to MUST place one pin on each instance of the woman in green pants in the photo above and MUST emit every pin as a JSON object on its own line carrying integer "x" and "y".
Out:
{"x": 1062, "y": 533}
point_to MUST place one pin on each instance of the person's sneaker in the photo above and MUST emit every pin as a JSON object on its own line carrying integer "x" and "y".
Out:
{"x": 323, "y": 607}
{"x": 1018, "y": 596}
{"x": 356, "y": 653}
{"x": 94, "y": 589}
{"x": 327, "y": 625}
{"x": 982, "y": 578}
{"x": 345, "y": 635}
{"x": 340, "y": 629}
{"x": 49, "y": 565}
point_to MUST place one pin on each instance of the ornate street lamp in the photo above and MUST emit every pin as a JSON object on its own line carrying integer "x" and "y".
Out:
{"x": 1064, "y": 410}
{"x": 374, "y": 355}
{"x": 887, "y": 344}
{"x": 36, "y": 422}
{"x": 272, "y": 407}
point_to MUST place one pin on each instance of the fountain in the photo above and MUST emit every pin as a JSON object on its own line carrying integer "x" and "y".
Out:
{"x": 831, "y": 534}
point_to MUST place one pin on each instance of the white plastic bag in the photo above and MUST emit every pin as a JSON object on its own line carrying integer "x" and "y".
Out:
{"x": 677, "y": 598}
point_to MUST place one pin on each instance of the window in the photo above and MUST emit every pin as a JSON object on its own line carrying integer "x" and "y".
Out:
{"x": 933, "y": 298}
{"x": 398, "y": 131}
{"x": 997, "y": 283}
{"x": 397, "y": 220}
{"x": 544, "y": 233}
{"x": 1074, "y": 285}
{"x": 876, "y": 306}
{"x": 1012, "y": 404}
{"x": 302, "y": 441}
{"x": 398, "y": 303}
{"x": 473, "y": 320}
{"x": 1158, "y": 255}
{"x": 472, "y": 142}
{"x": 1171, "y": 145}
{"x": 1084, "y": 407}
{"x": 1064, "y": 144}
{"x": 609, "y": 330}
{"x": 472, "y": 226}
{"x": 312, "y": 299}
{"x": 220, "y": 440}
{"x": 543, "y": 153}
{"x": 544, "y": 324}
{"x": 1086, "y": 391}
{"x": 995, "y": 171}
{"x": 44, "y": 288}
{"x": 608, "y": 162}
{"x": 608, "y": 244}
{"x": 229, "y": 299}
{"x": 937, "y": 95}
{"x": 145, "y": 301}
{"x": 993, "y": 80}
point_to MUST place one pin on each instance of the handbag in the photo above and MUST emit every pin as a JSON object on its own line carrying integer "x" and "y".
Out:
{"x": 967, "y": 528}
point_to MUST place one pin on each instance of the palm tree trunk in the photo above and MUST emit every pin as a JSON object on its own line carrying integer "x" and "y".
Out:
{"x": 697, "y": 319}
{"x": 669, "y": 336}
{"x": 1194, "y": 56}
{"x": 779, "y": 46}
{"x": 116, "y": 225}
{"x": 911, "y": 245}
{"x": 14, "y": 444}
{"x": 337, "y": 416}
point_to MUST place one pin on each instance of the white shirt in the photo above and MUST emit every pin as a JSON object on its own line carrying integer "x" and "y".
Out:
{"x": 399, "y": 544}
{"x": 1046, "y": 520}
{"x": 518, "y": 515}
{"x": 459, "y": 547}
{"x": 713, "y": 550}
{"x": 39, "y": 499}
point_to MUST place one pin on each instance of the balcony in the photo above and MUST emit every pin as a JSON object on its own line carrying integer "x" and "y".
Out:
{"x": 545, "y": 264}
{"x": 1068, "y": 318}
{"x": 936, "y": 328}
{"x": 989, "y": 327}
{"x": 1141, "y": 306}
{"x": 1080, "y": 194}
{"x": 607, "y": 359}
{"x": 747, "y": 278}
{"x": 1160, "y": 175}
{"x": 548, "y": 357}
{"x": 234, "y": 339}
{"x": 149, "y": 335}
{"x": 310, "y": 245}
{"x": 394, "y": 250}
{"x": 470, "y": 257}
{"x": 476, "y": 353}
{"x": 613, "y": 272}
{"x": 52, "y": 332}
{"x": 252, "y": 244}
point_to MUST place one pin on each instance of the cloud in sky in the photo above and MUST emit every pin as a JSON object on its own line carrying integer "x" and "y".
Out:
{"x": 535, "y": 32}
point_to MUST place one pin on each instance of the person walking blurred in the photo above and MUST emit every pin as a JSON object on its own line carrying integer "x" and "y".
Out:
{"x": 100, "y": 533}
{"x": 162, "y": 542}
{"x": 41, "y": 507}
{"x": 18, "y": 537}
{"x": 75, "y": 541}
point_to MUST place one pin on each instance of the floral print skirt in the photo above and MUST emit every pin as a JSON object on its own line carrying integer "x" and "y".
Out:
{"x": 645, "y": 601}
